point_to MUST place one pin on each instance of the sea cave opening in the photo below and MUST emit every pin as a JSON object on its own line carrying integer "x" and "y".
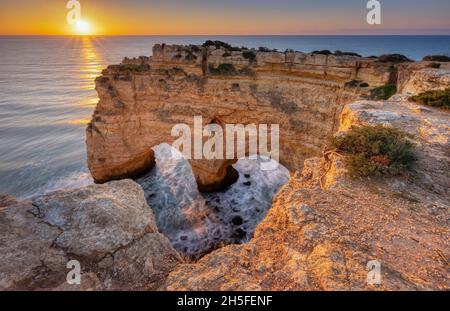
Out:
{"x": 197, "y": 223}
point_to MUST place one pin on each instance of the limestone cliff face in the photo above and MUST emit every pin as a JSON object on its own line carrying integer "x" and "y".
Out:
{"x": 141, "y": 100}
{"x": 419, "y": 77}
{"x": 324, "y": 227}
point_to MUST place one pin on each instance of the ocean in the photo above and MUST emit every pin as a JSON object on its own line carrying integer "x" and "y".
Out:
{"x": 47, "y": 94}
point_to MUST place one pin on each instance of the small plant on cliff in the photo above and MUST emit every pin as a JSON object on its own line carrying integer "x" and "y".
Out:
{"x": 250, "y": 55}
{"x": 223, "y": 69}
{"x": 382, "y": 92}
{"x": 437, "y": 98}
{"x": 340, "y": 53}
{"x": 376, "y": 150}
{"x": 437, "y": 58}
{"x": 266, "y": 49}
{"x": 393, "y": 58}
{"x": 434, "y": 65}
{"x": 322, "y": 52}
{"x": 218, "y": 44}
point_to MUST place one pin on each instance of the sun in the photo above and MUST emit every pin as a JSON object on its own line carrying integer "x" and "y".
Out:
{"x": 83, "y": 27}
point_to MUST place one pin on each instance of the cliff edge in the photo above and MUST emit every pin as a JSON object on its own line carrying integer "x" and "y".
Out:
{"x": 324, "y": 229}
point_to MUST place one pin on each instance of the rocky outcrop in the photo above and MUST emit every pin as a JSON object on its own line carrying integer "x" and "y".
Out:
{"x": 108, "y": 228}
{"x": 418, "y": 77}
{"x": 324, "y": 227}
{"x": 142, "y": 99}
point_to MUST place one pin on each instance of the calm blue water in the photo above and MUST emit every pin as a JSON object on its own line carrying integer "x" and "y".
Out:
{"x": 47, "y": 94}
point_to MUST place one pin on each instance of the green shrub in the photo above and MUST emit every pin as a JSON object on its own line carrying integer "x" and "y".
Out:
{"x": 340, "y": 53}
{"x": 217, "y": 44}
{"x": 322, "y": 52}
{"x": 393, "y": 58}
{"x": 437, "y": 58}
{"x": 250, "y": 55}
{"x": 437, "y": 98}
{"x": 237, "y": 49}
{"x": 383, "y": 92}
{"x": 266, "y": 49}
{"x": 194, "y": 48}
{"x": 434, "y": 65}
{"x": 226, "y": 54}
{"x": 223, "y": 69}
{"x": 376, "y": 150}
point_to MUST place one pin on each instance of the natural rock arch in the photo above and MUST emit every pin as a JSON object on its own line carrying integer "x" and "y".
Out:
{"x": 142, "y": 99}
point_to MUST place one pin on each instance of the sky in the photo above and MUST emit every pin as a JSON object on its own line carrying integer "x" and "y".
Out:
{"x": 225, "y": 17}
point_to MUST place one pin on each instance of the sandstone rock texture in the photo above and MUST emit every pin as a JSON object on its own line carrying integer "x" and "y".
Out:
{"x": 142, "y": 99}
{"x": 324, "y": 227}
{"x": 419, "y": 77}
{"x": 108, "y": 228}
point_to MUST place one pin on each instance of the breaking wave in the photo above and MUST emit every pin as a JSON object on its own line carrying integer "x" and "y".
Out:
{"x": 196, "y": 223}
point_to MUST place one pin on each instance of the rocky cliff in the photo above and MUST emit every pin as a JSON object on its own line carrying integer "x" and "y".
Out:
{"x": 324, "y": 226}
{"x": 322, "y": 230}
{"x": 142, "y": 99}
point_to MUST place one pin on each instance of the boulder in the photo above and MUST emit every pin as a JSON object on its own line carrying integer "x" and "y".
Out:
{"x": 108, "y": 228}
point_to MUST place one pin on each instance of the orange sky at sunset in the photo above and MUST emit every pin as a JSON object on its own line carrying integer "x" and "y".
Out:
{"x": 136, "y": 17}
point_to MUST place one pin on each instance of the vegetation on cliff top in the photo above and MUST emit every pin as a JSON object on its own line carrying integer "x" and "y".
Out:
{"x": 220, "y": 44}
{"x": 393, "y": 58}
{"x": 336, "y": 53}
{"x": 323, "y": 52}
{"x": 437, "y": 58}
{"x": 250, "y": 55}
{"x": 434, "y": 65}
{"x": 436, "y": 98}
{"x": 341, "y": 53}
{"x": 376, "y": 150}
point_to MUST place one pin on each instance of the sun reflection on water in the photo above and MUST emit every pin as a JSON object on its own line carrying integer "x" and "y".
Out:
{"x": 91, "y": 66}
{"x": 93, "y": 63}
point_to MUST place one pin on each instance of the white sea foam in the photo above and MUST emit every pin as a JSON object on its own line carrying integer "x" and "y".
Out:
{"x": 73, "y": 181}
{"x": 196, "y": 223}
